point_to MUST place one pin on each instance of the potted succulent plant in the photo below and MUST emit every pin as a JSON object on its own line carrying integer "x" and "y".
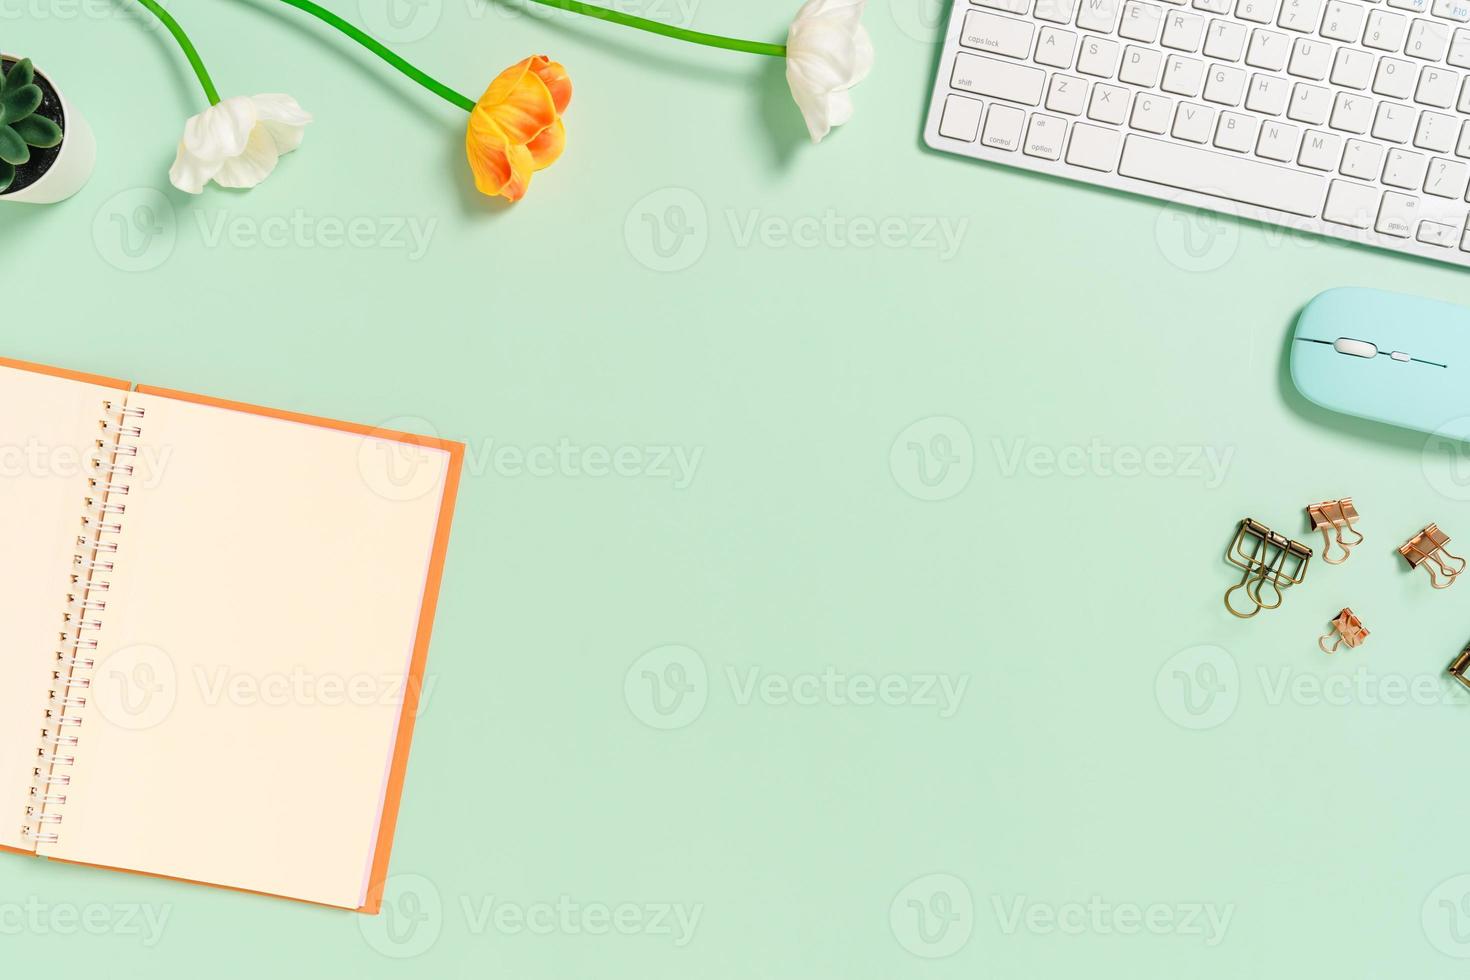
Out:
{"x": 46, "y": 148}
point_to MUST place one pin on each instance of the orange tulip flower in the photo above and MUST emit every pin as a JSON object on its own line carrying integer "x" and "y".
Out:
{"x": 516, "y": 129}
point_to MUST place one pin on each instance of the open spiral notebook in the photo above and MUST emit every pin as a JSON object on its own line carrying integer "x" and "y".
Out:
{"x": 214, "y": 621}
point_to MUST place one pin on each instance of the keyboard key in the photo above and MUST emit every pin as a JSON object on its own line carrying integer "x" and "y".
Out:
{"x": 1351, "y": 113}
{"x": 1437, "y": 87}
{"x": 1141, "y": 66}
{"x": 961, "y": 120}
{"x": 1428, "y": 39}
{"x": 1458, "y": 10}
{"x": 1459, "y": 55}
{"x": 998, "y": 79}
{"x": 1393, "y": 122}
{"x": 1184, "y": 32}
{"x": 1404, "y": 169}
{"x": 1350, "y": 204}
{"x": 1193, "y": 122}
{"x": 1352, "y": 68}
{"x": 1236, "y": 132}
{"x": 1009, "y": 6}
{"x": 1055, "y": 47}
{"x": 1108, "y": 104}
{"x": 1212, "y": 6}
{"x": 1234, "y": 178}
{"x": 1397, "y": 215}
{"x": 1098, "y": 15}
{"x": 1182, "y": 76}
{"x": 1093, "y": 147}
{"x": 1044, "y": 136}
{"x": 1141, "y": 21}
{"x": 1462, "y": 148}
{"x": 1260, "y": 11}
{"x": 1447, "y": 178}
{"x": 1055, "y": 11}
{"x": 1278, "y": 141}
{"x": 1412, "y": 6}
{"x": 1362, "y": 159}
{"x": 1300, "y": 15}
{"x": 1394, "y": 78}
{"x": 1343, "y": 21}
{"x": 1225, "y": 85}
{"x": 995, "y": 34}
{"x": 1320, "y": 151}
{"x": 1225, "y": 40}
{"x": 1067, "y": 94}
{"x": 1463, "y": 106}
{"x": 1003, "y": 127}
{"x": 1309, "y": 104}
{"x": 1268, "y": 50}
{"x": 1099, "y": 57}
{"x": 1385, "y": 30}
{"x": 1310, "y": 58}
{"x": 1434, "y": 233}
{"x": 1436, "y": 132}
{"x": 1151, "y": 113}
{"x": 1268, "y": 94}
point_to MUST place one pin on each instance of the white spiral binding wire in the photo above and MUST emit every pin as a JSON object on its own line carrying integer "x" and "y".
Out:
{"x": 102, "y": 516}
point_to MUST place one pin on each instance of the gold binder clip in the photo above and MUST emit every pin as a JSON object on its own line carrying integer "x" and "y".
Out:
{"x": 1340, "y": 515}
{"x": 1427, "y": 548}
{"x": 1348, "y": 628}
{"x": 1459, "y": 665}
{"x": 1270, "y": 560}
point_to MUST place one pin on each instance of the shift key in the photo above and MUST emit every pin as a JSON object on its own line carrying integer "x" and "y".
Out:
{"x": 998, "y": 79}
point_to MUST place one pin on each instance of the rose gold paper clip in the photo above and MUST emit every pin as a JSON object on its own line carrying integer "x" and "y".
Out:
{"x": 1427, "y": 548}
{"x": 1339, "y": 515}
{"x": 1348, "y": 628}
{"x": 1270, "y": 560}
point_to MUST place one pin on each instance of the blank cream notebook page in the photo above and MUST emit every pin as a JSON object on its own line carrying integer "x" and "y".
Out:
{"x": 254, "y": 653}
{"x": 48, "y": 429}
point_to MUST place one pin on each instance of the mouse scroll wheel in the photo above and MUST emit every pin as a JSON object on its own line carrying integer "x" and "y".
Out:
{"x": 1357, "y": 348}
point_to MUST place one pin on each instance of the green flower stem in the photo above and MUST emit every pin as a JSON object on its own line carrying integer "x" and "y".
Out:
{"x": 372, "y": 44}
{"x": 667, "y": 30}
{"x": 189, "y": 52}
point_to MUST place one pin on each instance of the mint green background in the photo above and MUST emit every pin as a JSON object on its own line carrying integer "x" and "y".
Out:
{"x": 1067, "y": 316}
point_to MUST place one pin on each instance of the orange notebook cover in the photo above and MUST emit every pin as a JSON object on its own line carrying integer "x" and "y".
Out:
{"x": 216, "y": 622}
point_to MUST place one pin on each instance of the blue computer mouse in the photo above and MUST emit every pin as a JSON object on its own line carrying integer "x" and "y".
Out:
{"x": 1390, "y": 357}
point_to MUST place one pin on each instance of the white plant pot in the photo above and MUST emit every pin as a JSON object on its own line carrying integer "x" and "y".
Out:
{"x": 72, "y": 166}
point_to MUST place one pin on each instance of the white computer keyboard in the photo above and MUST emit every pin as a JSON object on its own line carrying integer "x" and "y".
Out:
{"x": 1333, "y": 116}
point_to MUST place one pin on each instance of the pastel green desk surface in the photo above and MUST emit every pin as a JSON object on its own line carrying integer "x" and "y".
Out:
{"x": 982, "y": 734}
